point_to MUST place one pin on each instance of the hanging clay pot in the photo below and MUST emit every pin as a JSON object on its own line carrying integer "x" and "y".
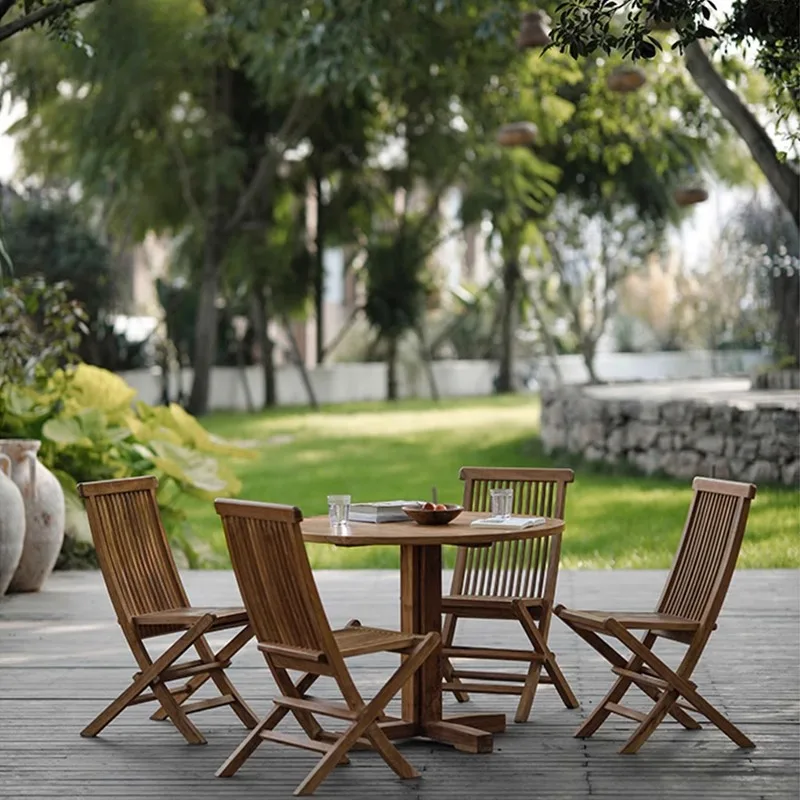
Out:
{"x": 626, "y": 79}
{"x": 44, "y": 514}
{"x": 690, "y": 195}
{"x": 534, "y": 31}
{"x": 517, "y": 134}
{"x": 12, "y": 524}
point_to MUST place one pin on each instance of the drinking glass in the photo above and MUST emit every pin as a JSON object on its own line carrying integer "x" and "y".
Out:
{"x": 502, "y": 502}
{"x": 339, "y": 510}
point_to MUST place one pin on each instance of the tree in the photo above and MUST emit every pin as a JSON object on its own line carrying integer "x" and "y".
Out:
{"x": 607, "y": 156}
{"x": 58, "y": 16}
{"x": 590, "y": 249}
{"x": 50, "y": 240}
{"x": 772, "y": 25}
{"x": 774, "y": 245}
{"x": 214, "y": 95}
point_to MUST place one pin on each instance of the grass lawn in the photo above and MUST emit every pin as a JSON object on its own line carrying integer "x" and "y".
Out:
{"x": 377, "y": 452}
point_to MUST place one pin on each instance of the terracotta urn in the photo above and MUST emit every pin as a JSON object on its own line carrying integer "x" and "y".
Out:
{"x": 690, "y": 195}
{"x": 534, "y": 30}
{"x": 517, "y": 134}
{"x": 12, "y": 524}
{"x": 626, "y": 79}
{"x": 44, "y": 514}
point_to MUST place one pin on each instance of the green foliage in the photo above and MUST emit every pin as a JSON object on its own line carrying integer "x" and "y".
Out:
{"x": 40, "y": 330}
{"x": 89, "y": 431}
{"x": 395, "y": 288}
{"x": 50, "y": 240}
{"x": 772, "y": 27}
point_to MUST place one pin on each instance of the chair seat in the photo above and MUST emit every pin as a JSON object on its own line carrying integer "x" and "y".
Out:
{"x": 635, "y": 620}
{"x": 488, "y": 606}
{"x": 184, "y": 618}
{"x": 358, "y": 640}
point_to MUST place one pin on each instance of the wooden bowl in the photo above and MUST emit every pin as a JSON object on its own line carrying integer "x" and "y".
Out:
{"x": 424, "y": 517}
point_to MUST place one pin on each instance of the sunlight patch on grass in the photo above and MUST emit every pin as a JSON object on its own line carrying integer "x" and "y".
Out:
{"x": 378, "y": 452}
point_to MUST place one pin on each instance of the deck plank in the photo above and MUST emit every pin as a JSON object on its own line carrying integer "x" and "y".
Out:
{"x": 62, "y": 658}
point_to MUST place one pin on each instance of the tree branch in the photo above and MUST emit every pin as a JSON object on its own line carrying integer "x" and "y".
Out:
{"x": 42, "y": 14}
{"x": 265, "y": 172}
{"x": 781, "y": 176}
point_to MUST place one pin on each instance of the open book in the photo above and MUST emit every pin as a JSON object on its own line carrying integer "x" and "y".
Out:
{"x": 507, "y": 522}
{"x": 382, "y": 511}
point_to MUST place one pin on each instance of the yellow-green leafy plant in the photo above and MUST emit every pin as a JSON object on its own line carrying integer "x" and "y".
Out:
{"x": 91, "y": 429}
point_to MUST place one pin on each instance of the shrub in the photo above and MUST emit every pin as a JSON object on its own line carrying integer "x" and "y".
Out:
{"x": 90, "y": 431}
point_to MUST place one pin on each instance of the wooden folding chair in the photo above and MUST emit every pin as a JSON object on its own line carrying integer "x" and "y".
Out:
{"x": 509, "y": 580}
{"x": 150, "y": 600}
{"x": 687, "y": 613}
{"x": 293, "y": 632}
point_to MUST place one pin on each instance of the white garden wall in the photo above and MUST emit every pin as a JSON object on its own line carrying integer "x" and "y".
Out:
{"x": 344, "y": 383}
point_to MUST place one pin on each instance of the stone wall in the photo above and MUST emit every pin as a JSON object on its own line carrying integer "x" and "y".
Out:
{"x": 682, "y": 438}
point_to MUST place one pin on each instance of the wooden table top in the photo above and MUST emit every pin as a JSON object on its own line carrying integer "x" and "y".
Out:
{"x": 458, "y": 532}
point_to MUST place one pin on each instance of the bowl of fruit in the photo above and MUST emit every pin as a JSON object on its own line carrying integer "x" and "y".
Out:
{"x": 433, "y": 513}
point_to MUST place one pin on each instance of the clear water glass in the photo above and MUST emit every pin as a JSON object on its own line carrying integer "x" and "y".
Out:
{"x": 502, "y": 502}
{"x": 339, "y": 510}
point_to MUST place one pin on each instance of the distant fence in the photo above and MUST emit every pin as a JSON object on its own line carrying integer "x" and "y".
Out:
{"x": 346, "y": 383}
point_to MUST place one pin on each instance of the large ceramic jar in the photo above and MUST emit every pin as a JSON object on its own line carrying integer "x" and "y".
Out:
{"x": 12, "y": 524}
{"x": 44, "y": 514}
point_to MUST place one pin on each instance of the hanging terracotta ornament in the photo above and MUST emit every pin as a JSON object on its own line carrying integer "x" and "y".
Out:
{"x": 626, "y": 79}
{"x": 517, "y": 134}
{"x": 534, "y": 31}
{"x": 690, "y": 195}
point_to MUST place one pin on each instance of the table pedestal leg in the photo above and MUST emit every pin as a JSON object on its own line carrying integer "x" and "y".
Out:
{"x": 421, "y": 610}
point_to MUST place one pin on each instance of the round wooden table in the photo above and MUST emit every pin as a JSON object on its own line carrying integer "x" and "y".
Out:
{"x": 421, "y": 613}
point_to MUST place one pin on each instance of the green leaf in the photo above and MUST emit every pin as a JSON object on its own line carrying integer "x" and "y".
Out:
{"x": 66, "y": 432}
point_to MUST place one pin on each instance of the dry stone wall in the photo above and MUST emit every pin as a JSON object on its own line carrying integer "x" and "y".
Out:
{"x": 682, "y": 438}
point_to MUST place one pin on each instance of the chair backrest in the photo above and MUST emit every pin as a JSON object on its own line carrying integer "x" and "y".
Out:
{"x": 527, "y": 568}
{"x": 135, "y": 557}
{"x": 707, "y": 553}
{"x": 275, "y": 579}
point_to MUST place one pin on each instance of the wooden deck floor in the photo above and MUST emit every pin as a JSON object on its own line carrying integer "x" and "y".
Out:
{"x": 62, "y": 658}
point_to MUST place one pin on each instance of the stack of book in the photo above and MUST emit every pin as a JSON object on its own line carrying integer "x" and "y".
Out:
{"x": 382, "y": 511}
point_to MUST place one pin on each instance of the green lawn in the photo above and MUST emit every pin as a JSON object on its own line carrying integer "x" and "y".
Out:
{"x": 377, "y": 452}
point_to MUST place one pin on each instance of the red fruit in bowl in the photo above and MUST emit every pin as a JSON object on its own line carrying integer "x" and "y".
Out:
{"x": 440, "y": 507}
{"x": 428, "y": 506}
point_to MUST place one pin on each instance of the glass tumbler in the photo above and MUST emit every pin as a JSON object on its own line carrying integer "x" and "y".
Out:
{"x": 339, "y": 510}
{"x": 502, "y": 502}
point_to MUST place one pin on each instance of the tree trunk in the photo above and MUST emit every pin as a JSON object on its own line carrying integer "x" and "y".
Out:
{"x": 391, "y": 369}
{"x": 260, "y": 313}
{"x": 319, "y": 271}
{"x": 427, "y": 361}
{"x": 781, "y": 176}
{"x": 786, "y": 305}
{"x": 299, "y": 363}
{"x": 588, "y": 352}
{"x": 205, "y": 333}
{"x": 505, "y": 375}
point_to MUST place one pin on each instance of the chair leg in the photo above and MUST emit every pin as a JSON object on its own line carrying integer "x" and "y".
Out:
{"x": 248, "y": 746}
{"x": 150, "y": 670}
{"x": 224, "y": 684}
{"x": 680, "y": 684}
{"x": 368, "y": 714}
{"x": 222, "y": 681}
{"x": 650, "y": 723}
{"x": 448, "y": 634}
{"x": 548, "y": 661}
